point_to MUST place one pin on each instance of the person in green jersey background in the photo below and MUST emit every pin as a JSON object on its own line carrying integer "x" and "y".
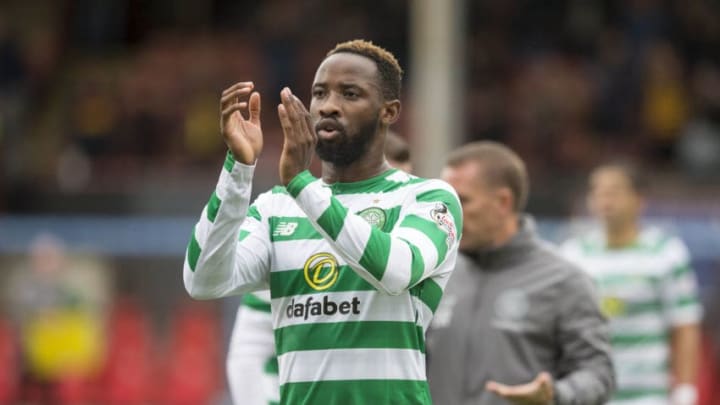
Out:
{"x": 252, "y": 367}
{"x": 356, "y": 261}
{"x": 647, "y": 288}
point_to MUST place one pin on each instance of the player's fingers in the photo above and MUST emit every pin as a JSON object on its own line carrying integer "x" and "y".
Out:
{"x": 236, "y": 86}
{"x": 227, "y": 112}
{"x": 233, "y": 95}
{"x": 493, "y": 386}
{"x": 292, "y": 113}
{"x": 255, "y": 108}
{"x": 304, "y": 119}
{"x": 285, "y": 123}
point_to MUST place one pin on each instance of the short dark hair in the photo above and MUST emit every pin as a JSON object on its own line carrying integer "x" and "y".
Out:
{"x": 388, "y": 67}
{"x": 632, "y": 171}
{"x": 501, "y": 167}
{"x": 396, "y": 148}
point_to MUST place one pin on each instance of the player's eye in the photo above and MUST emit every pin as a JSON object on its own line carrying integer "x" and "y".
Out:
{"x": 351, "y": 94}
{"x": 318, "y": 93}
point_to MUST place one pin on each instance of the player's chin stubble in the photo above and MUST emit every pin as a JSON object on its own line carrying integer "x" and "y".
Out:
{"x": 347, "y": 149}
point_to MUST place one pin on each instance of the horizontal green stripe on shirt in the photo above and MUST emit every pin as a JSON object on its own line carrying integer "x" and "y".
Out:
{"x": 356, "y": 392}
{"x": 292, "y": 282}
{"x": 637, "y": 339}
{"x": 429, "y": 292}
{"x": 627, "y": 394}
{"x": 252, "y": 301}
{"x": 349, "y": 335}
{"x": 432, "y": 231}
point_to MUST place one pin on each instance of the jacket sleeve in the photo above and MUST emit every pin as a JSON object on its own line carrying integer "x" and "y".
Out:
{"x": 586, "y": 374}
{"x": 229, "y": 249}
{"x": 423, "y": 244}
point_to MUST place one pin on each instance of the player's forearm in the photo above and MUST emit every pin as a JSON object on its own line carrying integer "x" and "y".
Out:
{"x": 685, "y": 353}
{"x": 210, "y": 259}
{"x": 391, "y": 264}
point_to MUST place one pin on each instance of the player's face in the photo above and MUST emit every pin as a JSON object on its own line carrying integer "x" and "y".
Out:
{"x": 612, "y": 198}
{"x": 345, "y": 107}
{"x": 483, "y": 213}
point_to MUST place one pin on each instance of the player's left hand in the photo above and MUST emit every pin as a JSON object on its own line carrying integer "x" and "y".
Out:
{"x": 300, "y": 138}
{"x": 537, "y": 392}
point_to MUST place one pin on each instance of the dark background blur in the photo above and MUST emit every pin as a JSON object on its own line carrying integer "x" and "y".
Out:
{"x": 109, "y": 133}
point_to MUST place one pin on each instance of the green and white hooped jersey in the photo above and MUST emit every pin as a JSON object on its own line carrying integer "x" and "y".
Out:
{"x": 251, "y": 362}
{"x": 355, "y": 271}
{"x": 646, "y": 289}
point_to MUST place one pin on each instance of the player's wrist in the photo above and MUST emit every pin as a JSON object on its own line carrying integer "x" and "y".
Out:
{"x": 230, "y": 161}
{"x": 684, "y": 394}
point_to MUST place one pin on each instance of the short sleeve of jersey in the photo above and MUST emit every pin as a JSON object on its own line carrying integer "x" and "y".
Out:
{"x": 678, "y": 287}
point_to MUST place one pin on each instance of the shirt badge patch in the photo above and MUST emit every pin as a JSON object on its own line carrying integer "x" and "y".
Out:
{"x": 444, "y": 220}
{"x": 374, "y": 216}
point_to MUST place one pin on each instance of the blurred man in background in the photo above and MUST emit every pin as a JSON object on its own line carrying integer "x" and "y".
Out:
{"x": 251, "y": 364}
{"x": 397, "y": 152}
{"x": 517, "y": 323}
{"x": 353, "y": 260}
{"x": 648, "y": 291}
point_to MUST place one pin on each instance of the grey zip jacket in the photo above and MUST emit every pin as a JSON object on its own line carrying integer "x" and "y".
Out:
{"x": 512, "y": 312}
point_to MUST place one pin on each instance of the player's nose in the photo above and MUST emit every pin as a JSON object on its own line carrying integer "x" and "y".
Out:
{"x": 329, "y": 106}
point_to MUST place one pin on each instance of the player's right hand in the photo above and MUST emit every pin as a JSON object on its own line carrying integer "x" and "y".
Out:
{"x": 242, "y": 136}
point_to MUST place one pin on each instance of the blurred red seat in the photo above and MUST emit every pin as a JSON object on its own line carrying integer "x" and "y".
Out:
{"x": 9, "y": 364}
{"x": 129, "y": 372}
{"x": 192, "y": 373}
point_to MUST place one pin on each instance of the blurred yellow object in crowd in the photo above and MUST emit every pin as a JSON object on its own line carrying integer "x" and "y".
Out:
{"x": 62, "y": 343}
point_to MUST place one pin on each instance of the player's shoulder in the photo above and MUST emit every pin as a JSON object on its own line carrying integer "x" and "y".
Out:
{"x": 427, "y": 187}
{"x": 584, "y": 243}
{"x": 272, "y": 201}
{"x": 659, "y": 241}
{"x": 274, "y": 192}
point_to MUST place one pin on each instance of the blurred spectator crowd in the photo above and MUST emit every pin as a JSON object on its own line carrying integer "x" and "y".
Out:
{"x": 569, "y": 84}
{"x": 106, "y": 98}
{"x": 102, "y": 99}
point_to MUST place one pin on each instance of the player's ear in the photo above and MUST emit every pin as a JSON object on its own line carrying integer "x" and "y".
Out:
{"x": 506, "y": 199}
{"x": 390, "y": 112}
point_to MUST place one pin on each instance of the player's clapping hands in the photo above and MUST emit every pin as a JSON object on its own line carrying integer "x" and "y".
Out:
{"x": 300, "y": 137}
{"x": 243, "y": 136}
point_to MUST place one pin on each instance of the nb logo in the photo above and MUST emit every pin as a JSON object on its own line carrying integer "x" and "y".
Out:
{"x": 285, "y": 228}
{"x": 321, "y": 271}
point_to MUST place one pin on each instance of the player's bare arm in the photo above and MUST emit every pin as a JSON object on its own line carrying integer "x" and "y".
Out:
{"x": 300, "y": 138}
{"x": 242, "y": 136}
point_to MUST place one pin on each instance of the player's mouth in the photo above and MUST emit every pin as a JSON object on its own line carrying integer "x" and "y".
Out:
{"x": 328, "y": 128}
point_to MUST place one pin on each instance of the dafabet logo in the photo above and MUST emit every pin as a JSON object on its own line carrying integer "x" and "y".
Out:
{"x": 321, "y": 271}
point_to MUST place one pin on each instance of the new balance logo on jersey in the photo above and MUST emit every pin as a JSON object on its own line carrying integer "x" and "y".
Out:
{"x": 285, "y": 228}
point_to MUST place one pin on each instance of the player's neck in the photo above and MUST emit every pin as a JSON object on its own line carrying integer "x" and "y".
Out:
{"x": 370, "y": 164}
{"x": 362, "y": 169}
{"x": 621, "y": 235}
